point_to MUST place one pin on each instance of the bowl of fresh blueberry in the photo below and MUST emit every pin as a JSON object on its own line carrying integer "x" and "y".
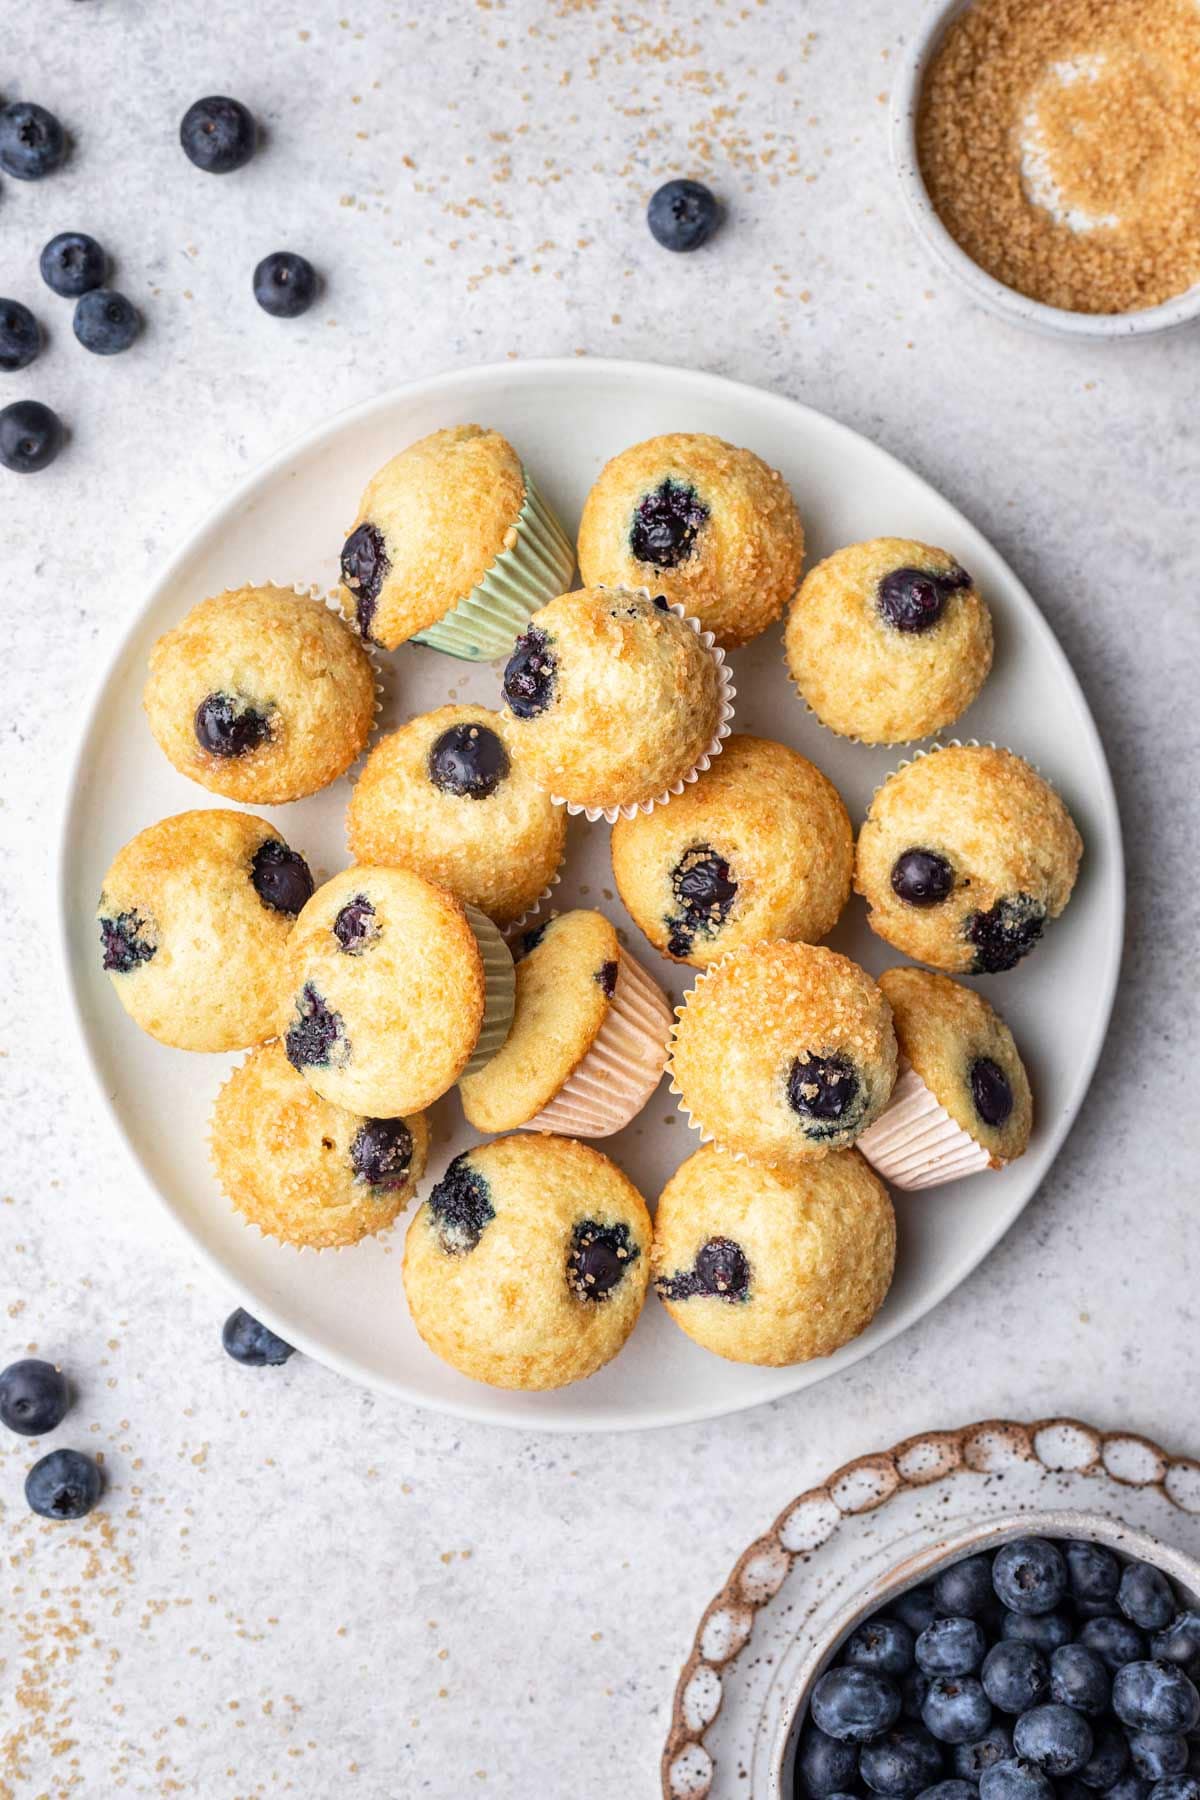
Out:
{"x": 1051, "y": 1656}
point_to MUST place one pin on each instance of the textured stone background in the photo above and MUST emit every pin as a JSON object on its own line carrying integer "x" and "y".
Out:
{"x": 296, "y": 1587}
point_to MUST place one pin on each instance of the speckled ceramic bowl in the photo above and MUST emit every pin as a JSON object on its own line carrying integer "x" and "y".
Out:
{"x": 1017, "y": 308}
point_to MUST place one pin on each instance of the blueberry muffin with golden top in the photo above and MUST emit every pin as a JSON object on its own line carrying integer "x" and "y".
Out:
{"x": 615, "y": 700}
{"x": 965, "y": 854}
{"x": 783, "y": 1053}
{"x": 588, "y": 1040}
{"x": 453, "y": 547}
{"x": 771, "y": 1268}
{"x": 708, "y": 525}
{"x": 261, "y": 694}
{"x": 962, "y": 1102}
{"x": 391, "y": 990}
{"x": 758, "y": 848}
{"x": 194, "y": 915}
{"x": 303, "y": 1171}
{"x": 528, "y": 1264}
{"x": 889, "y": 640}
{"x": 447, "y": 795}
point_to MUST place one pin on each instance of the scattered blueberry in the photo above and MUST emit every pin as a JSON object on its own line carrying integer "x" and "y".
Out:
{"x": 1178, "y": 1787}
{"x": 991, "y": 1092}
{"x": 1045, "y": 1631}
{"x": 33, "y": 1397}
{"x": 529, "y": 675}
{"x": 1109, "y": 1758}
{"x": 64, "y": 1485}
{"x": 461, "y": 1206}
{"x": 125, "y": 941}
{"x": 825, "y": 1766}
{"x": 355, "y": 925}
{"x": 915, "y": 1608}
{"x": 1115, "y": 1641}
{"x": 365, "y": 563}
{"x": 901, "y": 1763}
{"x": 598, "y": 1258}
{"x": 72, "y": 264}
{"x": 285, "y": 285}
{"x": 964, "y": 1590}
{"x": 952, "y": 1646}
{"x": 665, "y": 524}
{"x": 249, "y": 1341}
{"x": 20, "y": 336}
{"x": 721, "y": 1272}
{"x": 468, "y": 761}
{"x": 228, "y": 727}
{"x": 1145, "y": 1596}
{"x": 315, "y": 1032}
{"x": 281, "y": 877}
{"x": 995, "y": 1746}
{"x": 1093, "y": 1572}
{"x": 882, "y": 1644}
{"x": 1155, "y": 1696}
{"x": 1029, "y": 1575}
{"x": 682, "y": 215}
{"x": 1004, "y": 934}
{"x": 1157, "y": 1755}
{"x": 1180, "y": 1642}
{"x": 821, "y": 1091}
{"x": 32, "y": 142}
{"x": 218, "y": 135}
{"x": 922, "y": 877}
{"x": 31, "y": 436}
{"x": 854, "y": 1705}
{"x": 1054, "y": 1738}
{"x": 105, "y": 322}
{"x": 381, "y": 1152}
{"x": 1078, "y": 1678}
{"x": 1015, "y": 1780}
{"x": 956, "y": 1709}
{"x": 704, "y": 891}
{"x": 913, "y": 1688}
{"x": 1015, "y": 1676}
{"x": 914, "y": 600}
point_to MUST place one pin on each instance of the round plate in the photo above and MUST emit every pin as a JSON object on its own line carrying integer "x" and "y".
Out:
{"x": 847, "y": 1534}
{"x": 287, "y": 524}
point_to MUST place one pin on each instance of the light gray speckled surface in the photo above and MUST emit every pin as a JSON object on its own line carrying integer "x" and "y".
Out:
{"x": 295, "y": 1587}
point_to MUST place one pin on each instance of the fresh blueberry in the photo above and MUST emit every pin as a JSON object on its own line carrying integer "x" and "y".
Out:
{"x": 1178, "y": 1787}
{"x": 33, "y": 1397}
{"x": 1004, "y": 934}
{"x": 901, "y": 1763}
{"x": 1109, "y": 1758}
{"x": 20, "y": 336}
{"x": 913, "y": 1688}
{"x": 1015, "y": 1780}
{"x": 1029, "y": 1575}
{"x": 281, "y": 877}
{"x": 532, "y": 938}
{"x": 882, "y": 1644}
{"x": 1015, "y": 1676}
{"x": 1155, "y": 1696}
{"x": 1115, "y": 1641}
{"x": 1145, "y": 1596}
{"x": 1054, "y": 1738}
{"x": 1045, "y": 1631}
{"x": 315, "y": 1033}
{"x": 365, "y": 563}
{"x": 964, "y": 1590}
{"x": 990, "y": 1090}
{"x": 72, "y": 264}
{"x": 913, "y": 600}
{"x": 1078, "y": 1678}
{"x": 950, "y": 1790}
{"x": 1157, "y": 1755}
{"x": 381, "y": 1153}
{"x": 468, "y": 761}
{"x": 1129, "y": 1786}
{"x": 704, "y": 891}
{"x": 218, "y": 135}
{"x": 598, "y": 1258}
{"x": 529, "y": 675}
{"x": 1180, "y": 1642}
{"x": 665, "y": 524}
{"x": 824, "y": 1766}
{"x": 228, "y": 727}
{"x": 285, "y": 285}
{"x": 956, "y": 1709}
{"x": 31, "y": 436}
{"x": 682, "y": 215}
{"x": 125, "y": 941}
{"x": 64, "y": 1485}
{"x": 355, "y": 925}
{"x": 32, "y": 142}
{"x": 951, "y": 1647}
{"x": 105, "y": 322}
{"x": 606, "y": 978}
{"x": 854, "y": 1705}
{"x": 922, "y": 878}
{"x": 821, "y": 1091}
{"x": 721, "y": 1272}
{"x": 915, "y": 1608}
{"x": 249, "y": 1341}
{"x": 1093, "y": 1572}
{"x": 995, "y": 1746}
{"x": 461, "y": 1206}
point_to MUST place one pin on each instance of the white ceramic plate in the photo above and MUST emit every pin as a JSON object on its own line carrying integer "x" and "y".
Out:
{"x": 287, "y": 524}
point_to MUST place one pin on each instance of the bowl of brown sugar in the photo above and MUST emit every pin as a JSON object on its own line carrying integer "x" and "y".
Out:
{"x": 1048, "y": 152}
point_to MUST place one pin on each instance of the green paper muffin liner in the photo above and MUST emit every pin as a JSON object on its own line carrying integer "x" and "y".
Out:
{"x": 500, "y": 989}
{"x": 533, "y": 570}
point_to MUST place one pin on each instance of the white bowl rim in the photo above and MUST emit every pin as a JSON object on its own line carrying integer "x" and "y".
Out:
{"x": 1097, "y": 1528}
{"x": 996, "y": 296}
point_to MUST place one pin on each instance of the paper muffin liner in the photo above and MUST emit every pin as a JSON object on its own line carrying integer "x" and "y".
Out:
{"x": 532, "y": 569}
{"x": 500, "y": 989}
{"x": 624, "y": 1065}
{"x": 726, "y": 695}
{"x": 957, "y": 744}
{"x": 693, "y": 1122}
{"x": 914, "y": 1143}
{"x": 515, "y": 927}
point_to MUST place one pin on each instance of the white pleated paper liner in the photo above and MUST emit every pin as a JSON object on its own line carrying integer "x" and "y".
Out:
{"x": 914, "y": 1143}
{"x": 624, "y": 1065}
{"x": 516, "y": 926}
{"x": 500, "y": 989}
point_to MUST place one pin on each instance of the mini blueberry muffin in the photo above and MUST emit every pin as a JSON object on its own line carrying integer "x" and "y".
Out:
{"x": 759, "y": 848}
{"x": 261, "y": 694}
{"x": 448, "y": 796}
{"x": 783, "y": 1053}
{"x": 194, "y": 915}
{"x": 304, "y": 1171}
{"x": 962, "y": 1101}
{"x": 965, "y": 854}
{"x": 453, "y": 546}
{"x": 615, "y": 700}
{"x": 528, "y": 1264}
{"x": 708, "y": 525}
{"x": 889, "y": 641}
{"x": 588, "y": 1041}
{"x": 391, "y": 990}
{"x": 773, "y": 1268}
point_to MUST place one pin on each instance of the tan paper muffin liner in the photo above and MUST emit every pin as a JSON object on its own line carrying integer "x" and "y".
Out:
{"x": 724, "y": 726}
{"x": 914, "y": 1143}
{"x": 500, "y": 989}
{"x": 623, "y": 1067}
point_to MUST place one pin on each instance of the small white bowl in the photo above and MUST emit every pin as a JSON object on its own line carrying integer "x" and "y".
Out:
{"x": 923, "y": 1565}
{"x": 1056, "y": 321}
